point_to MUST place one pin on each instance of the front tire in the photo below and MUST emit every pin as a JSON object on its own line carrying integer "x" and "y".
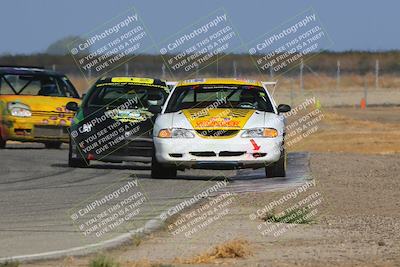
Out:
{"x": 277, "y": 169}
{"x": 161, "y": 171}
{"x": 75, "y": 162}
{"x": 2, "y": 142}
{"x": 53, "y": 145}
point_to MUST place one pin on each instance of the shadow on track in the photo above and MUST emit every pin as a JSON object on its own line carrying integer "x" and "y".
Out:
{"x": 104, "y": 166}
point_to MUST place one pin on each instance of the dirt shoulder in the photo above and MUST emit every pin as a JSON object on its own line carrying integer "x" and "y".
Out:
{"x": 355, "y": 163}
{"x": 357, "y": 223}
{"x": 353, "y": 130}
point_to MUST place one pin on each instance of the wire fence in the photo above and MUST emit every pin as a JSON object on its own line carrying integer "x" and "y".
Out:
{"x": 336, "y": 79}
{"x": 340, "y": 88}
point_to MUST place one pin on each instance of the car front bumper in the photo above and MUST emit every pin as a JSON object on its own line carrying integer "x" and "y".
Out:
{"x": 133, "y": 149}
{"x": 33, "y": 130}
{"x": 231, "y": 153}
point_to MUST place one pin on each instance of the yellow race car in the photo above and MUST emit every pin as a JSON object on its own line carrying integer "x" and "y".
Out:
{"x": 32, "y": 106}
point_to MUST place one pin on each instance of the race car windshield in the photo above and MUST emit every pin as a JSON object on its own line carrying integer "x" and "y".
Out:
{"x": 138, "y": 96}
{"x": 219, "y": 96}
{"x": 36, "y": 85}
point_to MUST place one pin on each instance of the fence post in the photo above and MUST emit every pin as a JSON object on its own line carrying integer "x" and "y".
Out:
{"x": 163, "y": 71}
{"x": 377, "y": 74}
{"x": 338, "y": 76}
{"x": 271, "y": 73}
{"x": 126, "y": 69}
{"x": 364, "y": 102}
{"x": 234, "y": 69}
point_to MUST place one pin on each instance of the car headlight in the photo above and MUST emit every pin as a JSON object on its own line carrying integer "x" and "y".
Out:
{"x": 175, "y": 133}
{"x": 19, "y": 110}
{"x": 260, "y": 132}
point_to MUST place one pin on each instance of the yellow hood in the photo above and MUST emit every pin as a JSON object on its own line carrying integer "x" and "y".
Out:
{"x": 214, "y": 119}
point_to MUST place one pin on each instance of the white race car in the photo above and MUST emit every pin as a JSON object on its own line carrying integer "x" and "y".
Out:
{"x": 219, "y": 124}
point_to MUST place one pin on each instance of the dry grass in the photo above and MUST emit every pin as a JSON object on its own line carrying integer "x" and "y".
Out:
{"x": 136, "y": 240}
{"x": 145, "y": 263}
{"x": 297, "y": 216}
{"x": 9, "y": 264}
{"x": 345, "y": 133}
{"x": 103, "y": 261}
{"x": 348, "y": 82}
{"x": 232, "y": 249}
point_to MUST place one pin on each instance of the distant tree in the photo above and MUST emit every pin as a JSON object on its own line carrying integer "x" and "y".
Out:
{"x": 61, "y": 46}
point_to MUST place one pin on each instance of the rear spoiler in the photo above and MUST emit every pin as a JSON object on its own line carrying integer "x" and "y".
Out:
{"x": 171, "y": 84}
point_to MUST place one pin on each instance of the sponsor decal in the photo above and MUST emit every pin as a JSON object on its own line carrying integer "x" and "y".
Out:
{"x": 218, "y": 118}
{"x": 132, "y": 115}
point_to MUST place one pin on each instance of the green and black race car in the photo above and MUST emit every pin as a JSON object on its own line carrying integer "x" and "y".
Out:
{"x": 114, "y": 122}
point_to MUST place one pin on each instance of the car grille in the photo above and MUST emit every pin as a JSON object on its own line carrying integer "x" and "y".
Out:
{"x": 138, "y": 147}
{"x": 217, "y": 133}
{"x": 53, "y": 114}
{"x": 203, "y": 154}
{"x": 220, "y": 154}
{"x": 231, "y": 153}
{"x": 50, "y": 131}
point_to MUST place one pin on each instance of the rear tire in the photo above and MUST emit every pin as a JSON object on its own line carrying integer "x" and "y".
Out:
{"x": 161, "y": 171}
{"x": 76, "y": 162}
{"x": 53, "y": 145}
{"x": 277, "y": 169}
{"x": 2, "y": 142}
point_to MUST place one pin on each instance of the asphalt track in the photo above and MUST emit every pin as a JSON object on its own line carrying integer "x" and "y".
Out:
{"x": 39, "y": 193}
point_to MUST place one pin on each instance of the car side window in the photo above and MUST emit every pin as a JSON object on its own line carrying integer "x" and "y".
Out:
{"x": 5, "y": 88}
{"x": 67, "y": 88}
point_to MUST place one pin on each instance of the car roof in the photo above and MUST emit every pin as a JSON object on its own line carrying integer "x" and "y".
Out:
{"x": 133, "y": 80}
{"x": 235, "y": 81}
{"x": 27, "y": 70}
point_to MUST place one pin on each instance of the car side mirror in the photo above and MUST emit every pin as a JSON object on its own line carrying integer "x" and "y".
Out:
{"x": 282, "y": 108}
{"x": 72, "y": 106}
{"x": 155, "y": 109}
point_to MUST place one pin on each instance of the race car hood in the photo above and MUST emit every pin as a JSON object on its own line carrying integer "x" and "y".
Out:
{"x": 215, "y": 119}
{"x": 229, "y": 119}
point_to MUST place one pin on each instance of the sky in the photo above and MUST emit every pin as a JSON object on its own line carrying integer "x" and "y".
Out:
{"x": 30, "y": 26}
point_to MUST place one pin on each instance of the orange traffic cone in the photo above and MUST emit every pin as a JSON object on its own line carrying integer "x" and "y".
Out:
{"x": 363, "y": 103}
